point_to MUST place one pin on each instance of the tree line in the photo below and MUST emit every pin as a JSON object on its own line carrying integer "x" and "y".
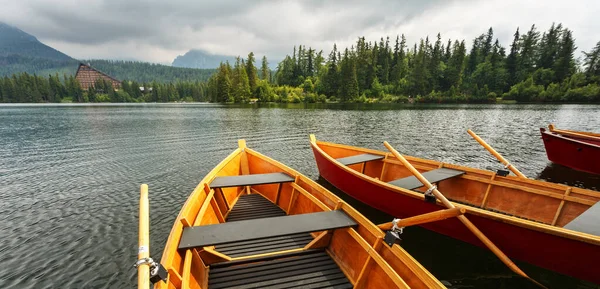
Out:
{"x": 24, "y": 87}
{"x": 539, "y": 67}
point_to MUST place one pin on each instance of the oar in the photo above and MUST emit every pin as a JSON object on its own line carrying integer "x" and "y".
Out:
{"x": 424, "y": 218}
{"x": 497, "y": 155}
{"x": 144, "y": 240}
{"x": 487, "y": 242}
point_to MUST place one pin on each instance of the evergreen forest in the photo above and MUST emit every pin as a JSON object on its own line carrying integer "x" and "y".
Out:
{"x": 538, "y": 66}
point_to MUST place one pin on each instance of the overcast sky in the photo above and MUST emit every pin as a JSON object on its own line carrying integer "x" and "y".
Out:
{"x": 159, "y": 30}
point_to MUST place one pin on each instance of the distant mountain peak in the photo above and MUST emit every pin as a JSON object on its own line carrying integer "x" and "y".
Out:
{"x": 8, "y": 31}
{"x": 14, "y": 41}
{"x": 197, "y": 58}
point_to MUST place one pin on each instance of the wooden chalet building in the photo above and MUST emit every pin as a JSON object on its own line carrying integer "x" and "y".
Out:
{"x": 87, "y": 76}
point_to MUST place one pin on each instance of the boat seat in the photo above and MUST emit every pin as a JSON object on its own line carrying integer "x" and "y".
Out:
{"x": 250, "y": 180}
{"x": 433, "y": 176}
{"x": 588, "y": 222}
{"x": 246, "y": 230}
{"x": 359, "y": 159}
{"x": 307, "y": 269}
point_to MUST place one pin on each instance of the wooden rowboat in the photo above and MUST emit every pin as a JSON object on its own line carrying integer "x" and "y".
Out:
{"x": 255, "y": 223}
{"x": 574, "y": 149}
{"x": 550, "y": 225}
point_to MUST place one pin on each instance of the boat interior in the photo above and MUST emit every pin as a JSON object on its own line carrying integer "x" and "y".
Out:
{"x": 548, "y": 203}
{"x": 254, "y": 223}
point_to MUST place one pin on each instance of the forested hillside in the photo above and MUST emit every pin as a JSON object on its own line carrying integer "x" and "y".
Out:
{"x": 538, "y": 67}
{"x": 147, "y": 72}
{"x": 22, "y": 52}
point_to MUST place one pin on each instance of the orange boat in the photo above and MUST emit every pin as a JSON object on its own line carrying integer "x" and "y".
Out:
{"x": 255, "y": 223}
{"x": 550, "y": 225}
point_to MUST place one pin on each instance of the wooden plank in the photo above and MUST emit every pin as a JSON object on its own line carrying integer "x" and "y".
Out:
{"x": 359, "y": 159}
{"x": 201, "y": 236}
{"x": 588, "y": 222}
{"x": 217, "y": 210}
{"x": 210, "y": 256}
{"x": 203, "y": 208}
{"x": 433, "y": 176}
{"x": 250, "y": 180}
{"x": 487, "y": 192}
{"x": 321, "y": 241}
{"x": 174, "y": 278}
{"x": 311, "y": 197}
{"x": 562, "y": 203}
{"x": 187, "y": 270}
{"x": 383, "y": 167}
{"x": 379, "y": 260}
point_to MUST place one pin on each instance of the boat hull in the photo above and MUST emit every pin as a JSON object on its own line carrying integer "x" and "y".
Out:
{"x": 580, "y": 155}
{"x": 549, "y": 251}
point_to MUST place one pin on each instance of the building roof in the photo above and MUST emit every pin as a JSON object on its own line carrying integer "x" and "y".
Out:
{"x": 87, "y": 76}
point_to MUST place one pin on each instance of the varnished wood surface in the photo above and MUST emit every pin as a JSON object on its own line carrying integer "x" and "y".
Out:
{"x": 353, "y": 250}
{"x": 519, "y": 200}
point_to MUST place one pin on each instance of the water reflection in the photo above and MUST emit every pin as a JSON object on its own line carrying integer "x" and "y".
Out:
{"x": 556, "y": 173}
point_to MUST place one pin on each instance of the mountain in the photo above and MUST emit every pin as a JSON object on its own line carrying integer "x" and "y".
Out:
{"x": 22, "y": 52}
{"x": 201, "y": 59}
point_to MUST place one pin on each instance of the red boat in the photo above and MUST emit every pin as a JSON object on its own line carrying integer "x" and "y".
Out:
{"x": 574, "y": 149}
{"x": 549, "y": 225}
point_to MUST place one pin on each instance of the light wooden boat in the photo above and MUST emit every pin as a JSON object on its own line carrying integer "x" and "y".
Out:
{"x": 255, "y": 223}
{"x": 550, "y": 225}
{"x": 578, "y": 150}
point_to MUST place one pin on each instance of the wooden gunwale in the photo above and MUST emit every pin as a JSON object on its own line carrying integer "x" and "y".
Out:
{"x": 572, "y": 138}
{"x": 536, "y": 226}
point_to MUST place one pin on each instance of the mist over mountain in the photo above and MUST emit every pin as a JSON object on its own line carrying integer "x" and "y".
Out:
{"x": 201, "y": 59}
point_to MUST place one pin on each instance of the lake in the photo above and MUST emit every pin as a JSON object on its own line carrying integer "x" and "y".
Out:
{"x": 70, "y": 176}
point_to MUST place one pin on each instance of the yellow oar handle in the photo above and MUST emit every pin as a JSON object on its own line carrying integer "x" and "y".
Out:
{"x": 497, "y": 155}
{"x": 144, "y": 240}
{"x": 424, "y": 218}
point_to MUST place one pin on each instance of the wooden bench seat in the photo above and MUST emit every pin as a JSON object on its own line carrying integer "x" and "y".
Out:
{"x": 250, "y": 180}
{"x": 201, "y": 236}
{"x": 351, "y": 160}
{"x": 587, "y": 222}
{"x": 433, "y": 176}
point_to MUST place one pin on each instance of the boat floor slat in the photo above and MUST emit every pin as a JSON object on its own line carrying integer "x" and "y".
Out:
{"x": 286, "y": 238}
{"x": 267, "y": 265}
{"x": 308, "y": 270}
{"x": 261, "y": 245}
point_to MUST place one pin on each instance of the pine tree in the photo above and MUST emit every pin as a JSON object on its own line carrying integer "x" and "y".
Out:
{"x": 592, "y": 61}
{"x": 565, "y": 64}
{"x": 223, "y": 84}
{"x": 265, "y": 73}
{"x": 512, "y": 62}
{"x": 251, "y": 72}
{"x": 349, "y": 83}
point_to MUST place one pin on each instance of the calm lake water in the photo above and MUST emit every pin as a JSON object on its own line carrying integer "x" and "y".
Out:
{"x": 70, "y": 176}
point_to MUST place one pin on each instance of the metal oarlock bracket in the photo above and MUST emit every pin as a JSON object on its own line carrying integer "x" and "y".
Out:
{"x": 393, "y": 236}
{"x": 429, "y": 196}
{"x": 157, "y": 271}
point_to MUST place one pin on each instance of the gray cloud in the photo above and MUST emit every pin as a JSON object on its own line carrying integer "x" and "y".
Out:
{"x": 158, "y": 31}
